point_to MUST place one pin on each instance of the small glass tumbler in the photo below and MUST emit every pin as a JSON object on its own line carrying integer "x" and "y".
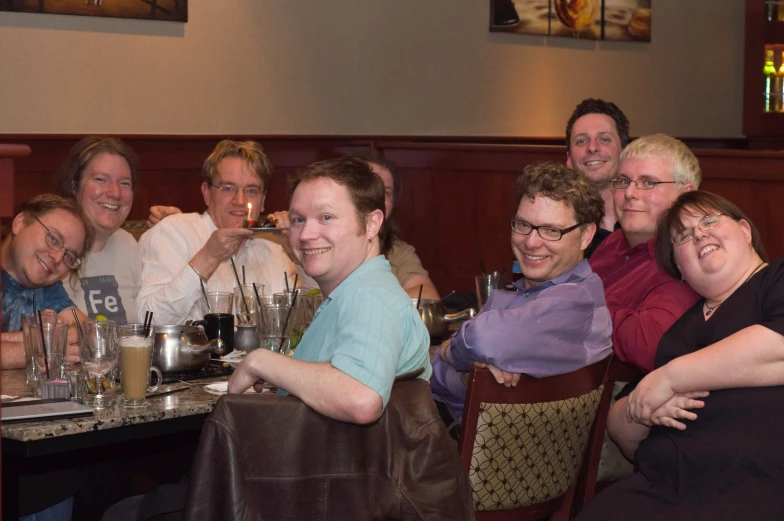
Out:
{"x": 217, "y": 302}
{"x": 486, "y": 283}
{"x": 99, "y": 363}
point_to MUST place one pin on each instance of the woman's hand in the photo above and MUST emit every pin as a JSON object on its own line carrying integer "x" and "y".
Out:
{"x": 677, "y": 409}
{"x": 651, "y": 393}
{"x": 158, "y": 213}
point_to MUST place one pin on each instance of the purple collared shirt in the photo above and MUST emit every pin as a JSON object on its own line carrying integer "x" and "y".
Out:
{"x": 554, "y": 328}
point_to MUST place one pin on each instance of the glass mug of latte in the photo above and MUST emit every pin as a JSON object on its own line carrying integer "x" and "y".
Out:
{"x": 135, "y": 364}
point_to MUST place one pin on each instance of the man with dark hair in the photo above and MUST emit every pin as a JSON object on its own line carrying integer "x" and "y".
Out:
{"x": 557, "y": 320}
{"x": 596, "y": 133}
{"x": 367, "y": 331}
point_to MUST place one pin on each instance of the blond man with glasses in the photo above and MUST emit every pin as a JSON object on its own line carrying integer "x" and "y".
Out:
{"x": 46, "y": 240}
{"x": 644, "y": 301}
{"x": 186, "y": 249}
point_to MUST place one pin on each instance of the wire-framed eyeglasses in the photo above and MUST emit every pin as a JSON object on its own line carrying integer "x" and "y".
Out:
{"x": 706, "y": 223}
{"x": 231, "y": 190}
{"x": 56, "y": 243}
{"x": 623, "y": 182}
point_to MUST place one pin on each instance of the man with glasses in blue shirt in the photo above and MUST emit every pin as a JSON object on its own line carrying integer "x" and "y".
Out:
{"x": 185, "y": 248}
{"x": 643, "y": 300}
{"x": 556, "y": 321}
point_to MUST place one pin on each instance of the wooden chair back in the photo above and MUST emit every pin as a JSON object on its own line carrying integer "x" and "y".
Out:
{"x": 586, "y": 483}
{"x": 523, "y": 446}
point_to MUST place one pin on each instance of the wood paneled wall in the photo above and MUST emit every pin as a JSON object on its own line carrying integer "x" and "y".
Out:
{"x": 457, "y": 197}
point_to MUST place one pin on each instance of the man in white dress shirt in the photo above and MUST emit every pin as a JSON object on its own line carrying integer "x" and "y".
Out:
{"x": 183, "y": 248}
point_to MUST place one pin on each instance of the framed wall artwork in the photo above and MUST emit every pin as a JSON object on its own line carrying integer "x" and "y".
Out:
{"x": 626, "y": 20}
{"x": 167, "y": 10}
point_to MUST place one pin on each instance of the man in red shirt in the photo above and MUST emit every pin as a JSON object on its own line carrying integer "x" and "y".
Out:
{"x": 644, "y": 301}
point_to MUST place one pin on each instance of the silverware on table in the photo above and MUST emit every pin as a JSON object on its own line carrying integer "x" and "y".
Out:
{"x": 168, "y": 390}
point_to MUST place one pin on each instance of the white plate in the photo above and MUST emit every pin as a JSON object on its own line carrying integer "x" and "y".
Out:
{"x": 258, "y": 231}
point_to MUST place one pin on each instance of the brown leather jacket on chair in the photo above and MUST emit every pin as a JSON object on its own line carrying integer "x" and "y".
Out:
{"x": 265, "y": 458}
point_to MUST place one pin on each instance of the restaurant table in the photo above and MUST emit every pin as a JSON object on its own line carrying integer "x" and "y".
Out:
{"x": 172, "y": 422}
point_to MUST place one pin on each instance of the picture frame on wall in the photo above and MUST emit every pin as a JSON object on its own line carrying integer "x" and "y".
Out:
{"x": 624, "y": 20}
{"x": 163, "y": 10}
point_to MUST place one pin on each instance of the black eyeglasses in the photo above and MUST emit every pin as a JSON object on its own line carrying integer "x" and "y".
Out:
{"x": 547, "y": 233}
{"x": 622, "y": 183}
{"x": 56, "y": 243}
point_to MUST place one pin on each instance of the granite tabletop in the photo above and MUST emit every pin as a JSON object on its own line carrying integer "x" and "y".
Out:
{"x": 193, "y": 401}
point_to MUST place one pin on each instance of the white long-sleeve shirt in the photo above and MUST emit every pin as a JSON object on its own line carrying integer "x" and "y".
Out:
{"x": 170, "y": 287}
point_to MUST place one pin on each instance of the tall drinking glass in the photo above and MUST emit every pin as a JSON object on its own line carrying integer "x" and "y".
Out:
{"x": 135, "y": 364}
{"x": 271, "y": 327}
{"x": 47, "y": 347}
{"x": 302, "y": 316}
{"x": 249, "y": 306}
{"x": 486, "y": 283}
{"x": 99, "y": 360}
{"x": 28, "y": 319}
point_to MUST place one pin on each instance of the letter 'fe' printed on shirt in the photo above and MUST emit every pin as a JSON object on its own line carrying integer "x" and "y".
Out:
{"x": 101, "y": 297}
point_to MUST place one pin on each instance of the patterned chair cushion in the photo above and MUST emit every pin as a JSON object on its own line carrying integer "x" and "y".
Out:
{"x": 526, "y": 454}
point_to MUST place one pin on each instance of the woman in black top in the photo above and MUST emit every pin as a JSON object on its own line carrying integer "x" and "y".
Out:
{"x": 705, "y": 427}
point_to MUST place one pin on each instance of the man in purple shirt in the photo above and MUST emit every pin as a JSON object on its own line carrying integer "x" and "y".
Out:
{"x": 557, "y": 320}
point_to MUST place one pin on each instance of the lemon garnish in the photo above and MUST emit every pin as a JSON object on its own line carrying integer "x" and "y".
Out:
{"x": 100, "y": 318}
{"x": 314, "y": 292}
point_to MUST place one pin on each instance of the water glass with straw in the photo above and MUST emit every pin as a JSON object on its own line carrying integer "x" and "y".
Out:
{"x": 28, "y": 319}
{"x": 47, "y": 347}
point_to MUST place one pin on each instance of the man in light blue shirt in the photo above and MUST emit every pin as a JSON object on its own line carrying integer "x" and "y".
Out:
{"x": 367, "y": 331}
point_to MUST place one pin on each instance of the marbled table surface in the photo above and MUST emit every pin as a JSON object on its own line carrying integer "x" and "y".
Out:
{"x": 192, "y": 401}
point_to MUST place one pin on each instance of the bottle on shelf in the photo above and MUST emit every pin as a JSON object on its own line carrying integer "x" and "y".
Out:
{"x": 780, "y": 86}
{"x": 772, "y": 96}
{"x": 772, "y": 10}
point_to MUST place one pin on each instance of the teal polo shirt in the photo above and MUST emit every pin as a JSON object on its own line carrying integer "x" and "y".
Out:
{"x": 369, "y": 329}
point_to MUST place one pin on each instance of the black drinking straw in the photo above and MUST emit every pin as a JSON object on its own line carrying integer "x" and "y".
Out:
{"x": 419, "y": 298}
{"x": 147, "y": 323}
{"x": 256, "y": 291}
{"x": 286, "y": 322}
{"x": 149, "y": 326}
{"x": 296, "y": 278}
{"x": 35, "y": 308}
{"x": 239, "y": 285}
{"x": 204, "y": 293}
{"x": 286, "y": 279}
{"x": 43, "y": 344}
{"x": 78, "y": 324}
{"x": 243, "y": 274}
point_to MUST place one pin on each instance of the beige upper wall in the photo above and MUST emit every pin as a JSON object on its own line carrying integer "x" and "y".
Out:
{"x": 383, "y": 67}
